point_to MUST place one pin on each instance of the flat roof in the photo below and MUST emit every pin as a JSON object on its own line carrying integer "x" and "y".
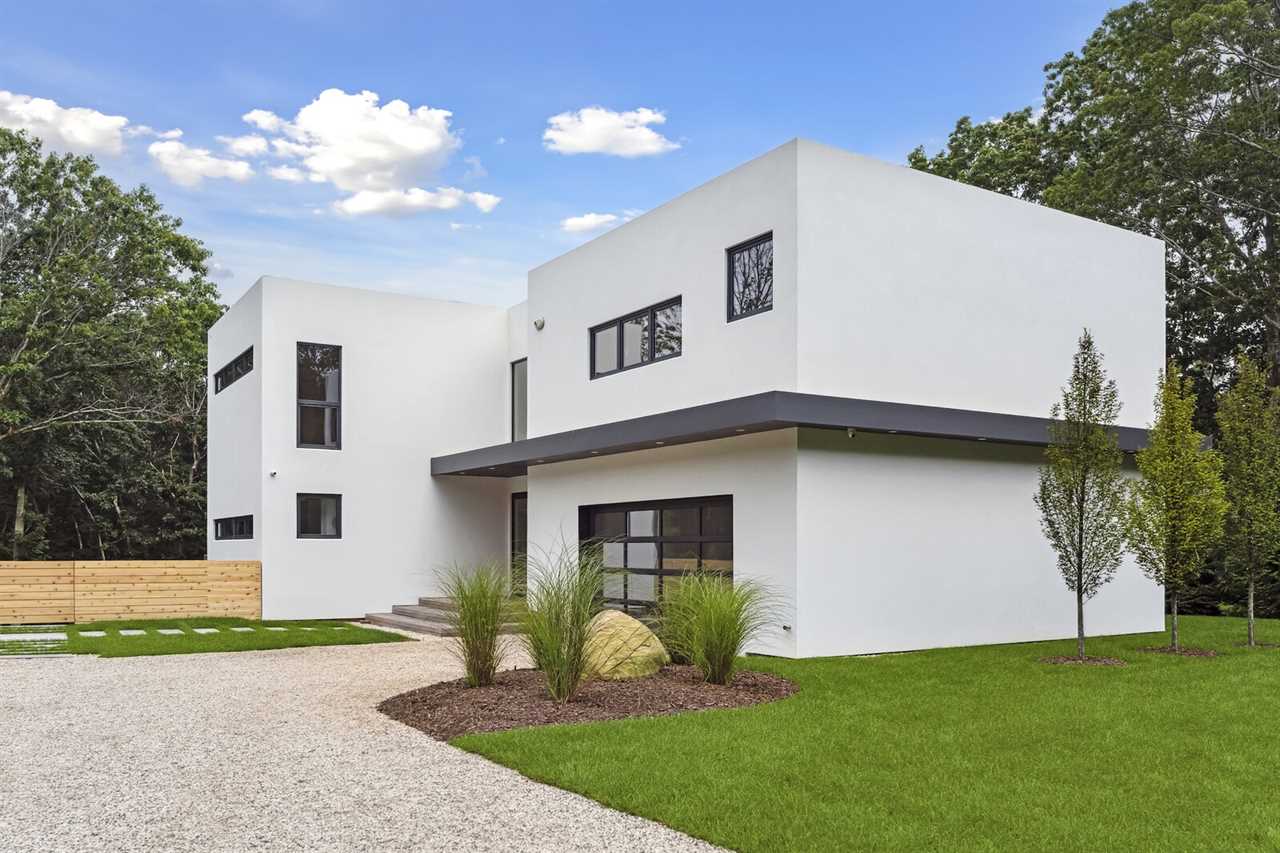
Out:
{"x": 757, "y": 413}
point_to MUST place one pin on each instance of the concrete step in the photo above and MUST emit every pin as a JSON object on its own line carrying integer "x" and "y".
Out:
{"x": 408, "y": 623}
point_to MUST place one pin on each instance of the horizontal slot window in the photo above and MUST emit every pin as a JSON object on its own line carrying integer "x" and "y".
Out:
{"x": 646, "y": 336}
{"x": 239, "y": 366}
{"x": 234, "y": 527}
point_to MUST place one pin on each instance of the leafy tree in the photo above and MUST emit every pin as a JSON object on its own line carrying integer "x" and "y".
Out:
{"x": 1165, "y": 123}
{"x": 1249, "y": 420}
{"x": 104, "y": 306}
{"x": 1175, "y": 512}
{"x": 1081, "y": 492}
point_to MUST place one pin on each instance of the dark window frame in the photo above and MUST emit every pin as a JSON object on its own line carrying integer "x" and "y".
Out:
{"x": 244, "y": 522}
{"x": 728, "y": 266}
{"x": 525, "y": 362}
{"x": 629, "y": 605}
{"x": 616, "y": 323}
{"x": 518, "y": 556}
{"x": 238, "y": 367}
{"x": 298, "y": 513}
{"x": 318, "y": 404}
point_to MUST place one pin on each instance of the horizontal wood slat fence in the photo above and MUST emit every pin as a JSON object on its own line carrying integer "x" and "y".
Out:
{"x": 89, "y": 591}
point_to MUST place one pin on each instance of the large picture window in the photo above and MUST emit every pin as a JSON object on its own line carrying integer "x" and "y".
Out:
{"x": 520, "y": 399}
{"x": 239, "y": 366}
{"x": 750, "y": 277}
{"x": 319, "y": 395}
{"x": 648, "y": 546}
{"x": 319, "y": 516}
{"x": 652, "y": 334}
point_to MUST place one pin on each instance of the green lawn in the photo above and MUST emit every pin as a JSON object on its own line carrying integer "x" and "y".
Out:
{"x": 957, "y": 749}
{"x": 323, "y": 633}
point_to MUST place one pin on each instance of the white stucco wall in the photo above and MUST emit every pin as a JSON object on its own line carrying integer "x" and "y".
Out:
{"x": 917, "y": 289}
{"x": 419, "y": 378}
{"x": 235, "y": 429}
{"x": 759, "y": 471}
{"x": 677, "y": 249}
{"x": 910, "y": 543}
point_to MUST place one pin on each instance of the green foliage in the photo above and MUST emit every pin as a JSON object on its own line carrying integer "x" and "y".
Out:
{"x": 1175, "y": 513}
{"x": 1249, "y": 421}
{"x": 1081, "y": 492}
{"x": 564, "y": 595}
{"x": 482, "y": 597}
{"x": 1164, "y": 123}
{"x": 708, "y": 619}
{"x": 104, "y": 306}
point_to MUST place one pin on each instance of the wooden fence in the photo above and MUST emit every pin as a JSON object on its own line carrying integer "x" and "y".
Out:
{"x": 88, "y": 591}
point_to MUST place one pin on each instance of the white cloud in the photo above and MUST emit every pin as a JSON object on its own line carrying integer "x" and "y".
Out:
{"x": 463, "y": 226}
{"x": 287, "y": 173}
{"x": 596, "y": 130}
{"x": 219, "y": 272}
{"x": 475, "y": 169}
{"x": 190, "y": 166}
{"x": 501, "y": 140}
{"x": 78, "y": 129}
{"x": 147, "y": 130}
{"x": 249, "y": 145}
{"x": 412, "y": 200}
{"x": 588, "y": 222}
{"x": 264, "y": 120}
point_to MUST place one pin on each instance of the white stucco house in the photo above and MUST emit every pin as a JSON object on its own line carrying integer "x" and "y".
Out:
{"x": 818, "y": 370}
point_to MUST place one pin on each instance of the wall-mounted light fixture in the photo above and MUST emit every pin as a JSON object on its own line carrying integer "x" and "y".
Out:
{"x": 539, "y": 323}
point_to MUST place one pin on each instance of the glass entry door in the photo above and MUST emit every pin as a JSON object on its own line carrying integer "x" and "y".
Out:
{"x": 519, "y": 542}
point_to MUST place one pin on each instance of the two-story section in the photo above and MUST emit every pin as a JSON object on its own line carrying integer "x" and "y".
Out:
{"x": 829, "y": 375}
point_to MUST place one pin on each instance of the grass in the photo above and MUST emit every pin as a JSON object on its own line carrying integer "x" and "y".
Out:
{"x": 113, "y": 645}
{"x": 957, "y": 749}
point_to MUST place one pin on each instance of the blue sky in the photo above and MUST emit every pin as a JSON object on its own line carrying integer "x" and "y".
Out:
{"x": 357, "y": 193}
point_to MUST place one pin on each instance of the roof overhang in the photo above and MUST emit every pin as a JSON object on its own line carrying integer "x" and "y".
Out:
{"x": 758, "y": 413}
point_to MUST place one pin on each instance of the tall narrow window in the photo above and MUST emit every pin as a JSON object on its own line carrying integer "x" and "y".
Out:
{"x": 319, "y": 395}
{"x": 750, "y": 277}
{"x": 520, "y": 399}
{"x": 319, "y": 516}
{"x": 650, "y": 335}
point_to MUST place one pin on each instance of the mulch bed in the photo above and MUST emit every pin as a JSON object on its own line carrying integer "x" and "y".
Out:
{"x": 1185, "y": 651}
{"x": 1089, "y": 660}
{"x": 518, "y": 698}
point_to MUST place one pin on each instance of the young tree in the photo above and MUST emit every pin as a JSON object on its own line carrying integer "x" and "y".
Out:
{"x": 1081, "y": 494}
{"x": 1175, "y": 513}
{"x": 1249, "y": 419}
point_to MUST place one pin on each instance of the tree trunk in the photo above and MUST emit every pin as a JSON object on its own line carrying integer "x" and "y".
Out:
{"x": 19, "y": 519}
{"x": 1176, "y": 647}
{"x": 1252, "y": 638}
{"x": 1079, "y": 623}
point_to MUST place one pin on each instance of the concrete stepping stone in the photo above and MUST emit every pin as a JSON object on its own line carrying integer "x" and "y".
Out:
{"x": 276, "y": 628}
{"x": 92, "y": 633}
{"x": 307, "y": 629}
{"x": 242, "y": 629}
{"x": 32, "y": 638}
{"x": 170, "y": 632}
{"x": 132, "y": 632}
{"x": 205, "y": 630}
{"x": 339, "y": 627}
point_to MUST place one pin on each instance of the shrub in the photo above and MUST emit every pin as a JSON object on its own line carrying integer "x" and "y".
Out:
{"x": 707, "y": 620}
{"x": 483, "y": 610}
{"x": 563, "y": 596}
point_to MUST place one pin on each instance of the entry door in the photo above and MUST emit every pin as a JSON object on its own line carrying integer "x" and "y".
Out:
{"x": 519, "y": 541}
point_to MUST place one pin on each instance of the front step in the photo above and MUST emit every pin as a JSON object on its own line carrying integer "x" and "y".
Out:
{"x": 428, "y": 616}
{"x": 409, "y": 623}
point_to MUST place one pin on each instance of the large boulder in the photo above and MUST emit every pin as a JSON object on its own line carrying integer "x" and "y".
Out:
{"x": 622, "y": 647}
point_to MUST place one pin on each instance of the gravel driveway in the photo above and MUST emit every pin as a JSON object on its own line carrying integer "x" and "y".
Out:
{"x": 278, "y": 750}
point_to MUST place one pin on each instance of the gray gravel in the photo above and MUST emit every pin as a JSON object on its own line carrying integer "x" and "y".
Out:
{"x": 279, "y": 750}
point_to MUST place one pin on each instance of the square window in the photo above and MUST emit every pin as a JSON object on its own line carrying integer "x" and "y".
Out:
{"x": 318, "y": 426}
{"x": 642, "y": 522}
{"x": 750, "y": 277}
{"x": 319, "y": 516}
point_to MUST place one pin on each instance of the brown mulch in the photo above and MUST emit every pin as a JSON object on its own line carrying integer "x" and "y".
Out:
{"x": 518, "y": 698}
{"x": 1185, "y": 651}
{"x": 1089, "y": 660}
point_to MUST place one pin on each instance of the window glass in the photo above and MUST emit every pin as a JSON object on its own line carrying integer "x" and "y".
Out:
{"x": 613, "y": 585}
{"x": 642, "y": 522}
{"x": 666, "y": 331}
{"x": 236, "y": 527}
{"x": 609, "y": 525}
{"x": 717, "y": 520}
{"x": 717, "y": 556}
{"x": 680, "y": 556}
{"x": 642, "y": 588}
{"x": 241, "y": 365}
{"x": 319, "y": 516}
{"x": 520, "y": 400}
{"x": 615, "y": 555}
{"x": 606, "y": 341}
{"x": 642, "y": 555}
{"x": 680, "y": 521}
{"x": 751, "y": 277}
{"x": 635, "y": 340}
{"x": 319, "y": 372}
{"x": 318, "y": 425}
